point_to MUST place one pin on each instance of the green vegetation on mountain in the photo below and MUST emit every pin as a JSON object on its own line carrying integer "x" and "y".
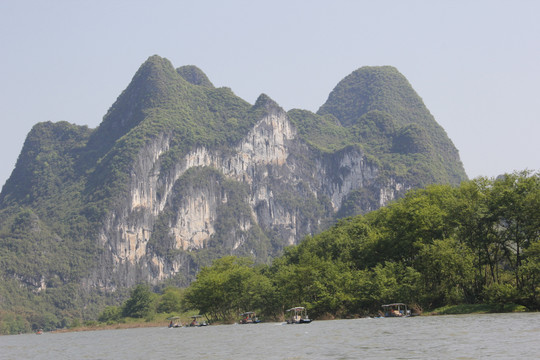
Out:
{"x": 392, "y": 123}
{"x": 322, "y": 132}
{"x": 194, "y": 75}
{"x": 69, "y": 178}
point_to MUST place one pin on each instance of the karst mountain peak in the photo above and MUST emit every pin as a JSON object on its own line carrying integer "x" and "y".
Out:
{"x": 180, "y": 172}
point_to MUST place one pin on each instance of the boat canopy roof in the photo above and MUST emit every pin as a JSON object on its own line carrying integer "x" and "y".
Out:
{"x": 296, "y": 308}
{"x": 247, "y": 313}
{"x": 394, "y": 304}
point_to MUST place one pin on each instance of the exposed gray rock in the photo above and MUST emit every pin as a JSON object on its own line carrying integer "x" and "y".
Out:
{"x": 269, "y": 158}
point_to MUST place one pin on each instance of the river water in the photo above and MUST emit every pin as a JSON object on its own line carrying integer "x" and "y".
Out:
{"x": 493, "y": 336}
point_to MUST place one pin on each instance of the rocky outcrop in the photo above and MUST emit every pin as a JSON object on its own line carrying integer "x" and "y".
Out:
{"x": 270, "y": 160}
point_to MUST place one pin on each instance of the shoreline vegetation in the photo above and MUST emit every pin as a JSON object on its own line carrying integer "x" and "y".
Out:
{"x": 465, "y": 309}
{"x": 161, "y": 321}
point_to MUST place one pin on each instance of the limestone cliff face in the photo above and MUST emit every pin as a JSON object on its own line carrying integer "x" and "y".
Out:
{"x": 270, "y": 161}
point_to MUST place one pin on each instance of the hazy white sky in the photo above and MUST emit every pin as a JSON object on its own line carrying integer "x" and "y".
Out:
{"x": 476, "y": 64}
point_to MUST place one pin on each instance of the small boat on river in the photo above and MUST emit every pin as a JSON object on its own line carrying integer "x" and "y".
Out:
{"x": 174, "y": 322}
{"x": 249, "y": 318}
{"x": 298, "y": 315}
{"x": 396, "y": 310}
{"x": 195, "y": 321}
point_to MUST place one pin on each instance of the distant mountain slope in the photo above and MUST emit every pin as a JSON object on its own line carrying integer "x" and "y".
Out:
{"x": 180, "y": 172}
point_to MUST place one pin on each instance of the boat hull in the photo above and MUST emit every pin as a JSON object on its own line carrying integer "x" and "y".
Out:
{"x": 302, "y": 321}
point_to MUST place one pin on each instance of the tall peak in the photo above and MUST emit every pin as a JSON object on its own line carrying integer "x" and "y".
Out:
{"x": 265, "y": 101}
{"x": 194, "y": 75}
{"x": 153, "y": 83}
{"x": 381, "y": 88}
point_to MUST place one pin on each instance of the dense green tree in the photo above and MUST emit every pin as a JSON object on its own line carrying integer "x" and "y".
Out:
{"x": 139, "y": 303}
{"x": 515, "y": 207}
{"x": 390, "y": 282}
{"x": 447, "y": 273}
{"x": 13, "y": 323}
{"x": 110, "y": 314}
{"x": 530, "y": 275}
{"x": 170, "y": 301}
{"x": 230, "y": 286}
{"x": 419, "y": 218}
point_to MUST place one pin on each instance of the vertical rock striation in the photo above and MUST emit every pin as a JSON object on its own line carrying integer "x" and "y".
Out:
{"x": 270, "y": 160}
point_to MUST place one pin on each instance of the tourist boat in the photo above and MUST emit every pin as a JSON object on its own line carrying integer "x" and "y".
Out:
{"x": 249, "y": 318}
{"x": 298, "y": 315}
{"x": 396, "y": 310}
{"x": 174, "y": 323}
{"x": 195, "y": 321}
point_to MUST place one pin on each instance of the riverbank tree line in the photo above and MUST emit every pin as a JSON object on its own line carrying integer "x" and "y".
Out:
{"x": 478, "y": 243}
